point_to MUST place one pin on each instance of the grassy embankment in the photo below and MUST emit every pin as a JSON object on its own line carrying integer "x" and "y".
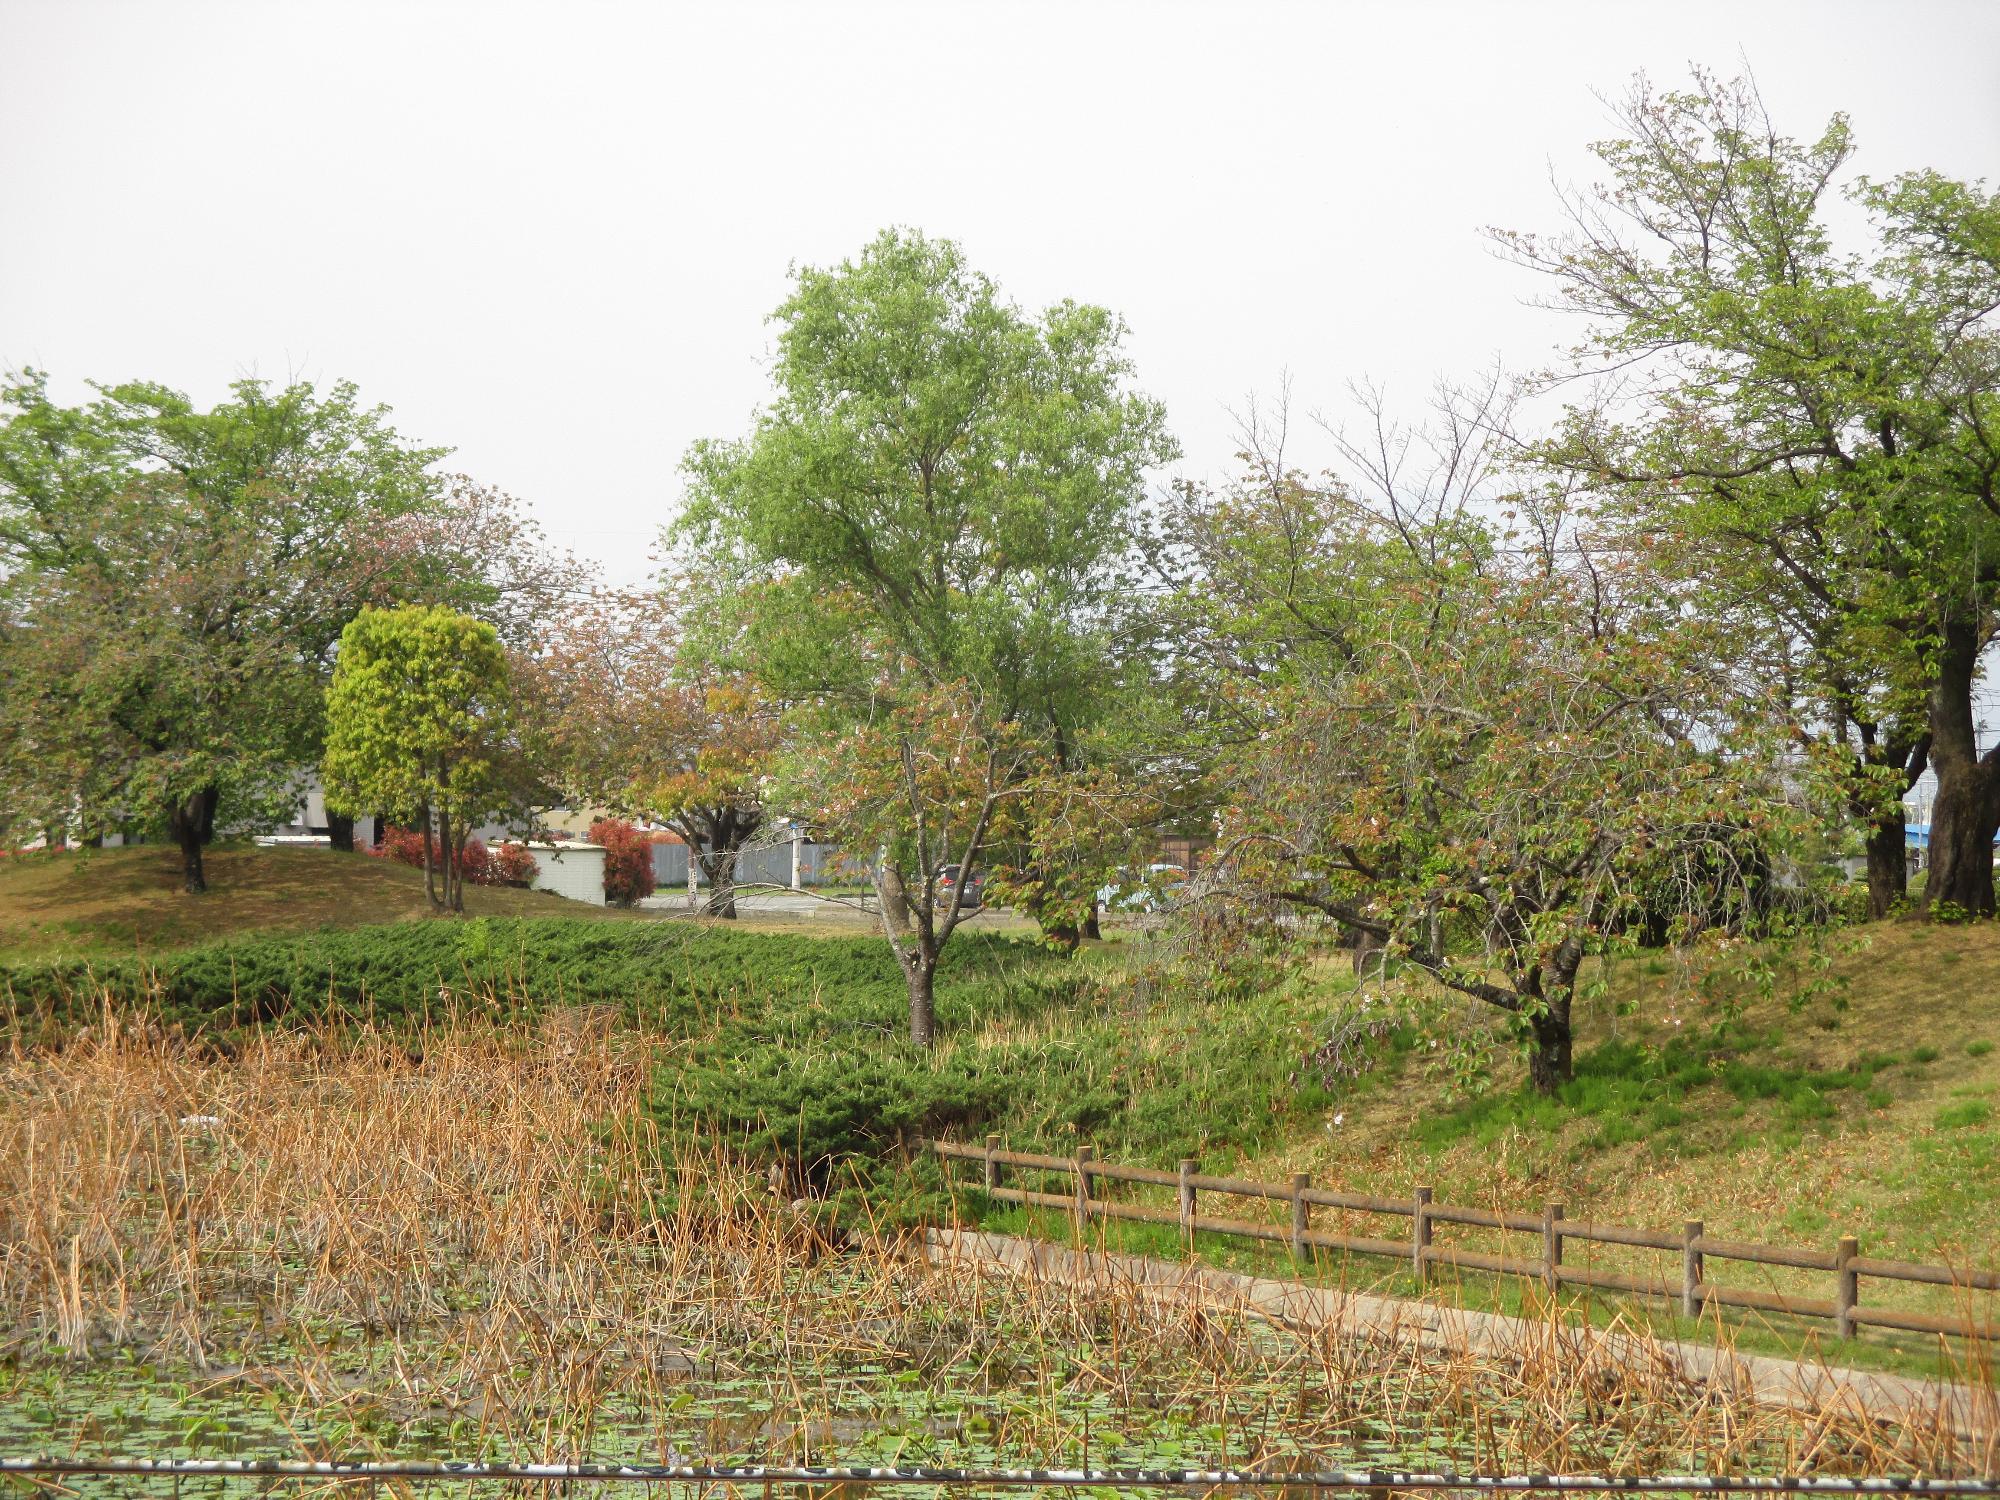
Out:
{"x": 1870, "y": 1111}
{"x": 89, "y": 903}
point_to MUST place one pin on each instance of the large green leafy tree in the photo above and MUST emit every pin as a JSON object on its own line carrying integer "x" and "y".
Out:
{"x": 418, "y": 726}
{"x": 175, "y": 581}
{"x": 1810, "y": 435}
{"x": 936, "y": 514}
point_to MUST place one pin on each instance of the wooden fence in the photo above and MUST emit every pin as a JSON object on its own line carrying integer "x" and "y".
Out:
{"x": 1696, "y": 1249}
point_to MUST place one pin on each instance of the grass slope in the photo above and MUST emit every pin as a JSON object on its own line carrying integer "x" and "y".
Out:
{"x": 113, "y": 902}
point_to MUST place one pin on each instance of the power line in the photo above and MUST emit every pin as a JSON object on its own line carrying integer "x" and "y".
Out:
{"x": 763, "y": 1474}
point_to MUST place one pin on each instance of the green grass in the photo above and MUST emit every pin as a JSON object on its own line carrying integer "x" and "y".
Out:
{"x": 1632, "y": 1092}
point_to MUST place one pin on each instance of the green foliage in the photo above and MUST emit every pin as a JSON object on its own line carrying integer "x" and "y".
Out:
{"x": 1496, "y": 761}
{"x": 399, "y": 973}
{"x": 173, "y": 581}
{"x": 417, "y": 725}
{"x": 934, "y": 519}
{"x": 1805, "y": 435}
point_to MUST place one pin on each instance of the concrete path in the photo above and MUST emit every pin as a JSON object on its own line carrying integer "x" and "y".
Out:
{"x": 1972, "y": 1412}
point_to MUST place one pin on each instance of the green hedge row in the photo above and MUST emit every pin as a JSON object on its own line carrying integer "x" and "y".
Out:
{"x": 670, "y": 973}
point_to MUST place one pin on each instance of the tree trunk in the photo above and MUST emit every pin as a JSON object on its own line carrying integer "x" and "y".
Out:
{"x": 447, "y": 856}
{"x": 210, "y": 797}
{"x": 1366, "y": 946}
{"x": 1090, "y": 927}
{"x": 895, "y": 900}
{"x": 430, "y": 880}
{"x": 921, "y": 973}
{"x": 1966, "y": 812}
{"x": 720, "y": 867}
{"x": 340, "y": 831}
{"x": 1547, "y": 991}
{"x": 1888, "y": 865}
{"x": 185, "y": 823}
{"x": 1551, "y": 1063}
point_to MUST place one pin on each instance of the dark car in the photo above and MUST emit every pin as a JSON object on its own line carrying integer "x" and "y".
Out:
{"x": 972, "y": 896}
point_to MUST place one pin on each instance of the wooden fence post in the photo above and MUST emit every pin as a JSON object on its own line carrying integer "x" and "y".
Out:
{"x": 1187, "y": 1199}
{"x": 992, "y": 1166}
{"x": 1848, "y": 1291}
{"x": 1083, "y": 1156}
{"x": 1420, "y": 1237}
{"x": 1691, "y": 1269}
{"x": 1552, "y": 1246}
{"x": 1300, "y": 1208}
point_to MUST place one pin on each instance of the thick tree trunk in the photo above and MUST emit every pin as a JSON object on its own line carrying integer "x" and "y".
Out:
{"x": 1551, "y": 1062}
{"x": 922, "y": 977}
{"x": 340, "y": 831}
{"x": 1547, "y": 991}
{"x": 1888, "y": 865}
{"x": 1966, "y": 812}
{"x": 210, "y": 797}
{"x": 1090, "y": 928}
{"x": 185, "y": 823}
{"x": 1064, "y": 937}
{"x": 720, "y": 867}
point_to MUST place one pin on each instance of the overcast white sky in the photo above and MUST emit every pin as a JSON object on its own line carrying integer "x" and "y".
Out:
{"x": 549, "y": 234}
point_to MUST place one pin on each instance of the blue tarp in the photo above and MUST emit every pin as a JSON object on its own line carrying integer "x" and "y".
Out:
{"x": 1918, "y": 836}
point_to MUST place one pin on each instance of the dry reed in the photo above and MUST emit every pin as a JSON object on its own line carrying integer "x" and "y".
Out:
{"x": 474, "y": 1239}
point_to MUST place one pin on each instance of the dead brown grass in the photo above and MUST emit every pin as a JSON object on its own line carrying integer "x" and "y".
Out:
{"x": 488, "y": 1211}
{"x": 88, "y": 902}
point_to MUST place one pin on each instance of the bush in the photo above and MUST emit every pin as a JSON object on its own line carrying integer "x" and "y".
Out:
{"x": 401, "y": 846}
{"x": 512, "y": 864}
{"x": 401, "y": 971}
{"x": 628, "y": 860}
{"x": 508, "y": 864}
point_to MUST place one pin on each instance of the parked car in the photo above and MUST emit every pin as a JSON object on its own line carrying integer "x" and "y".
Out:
{"x": 1156, "y": 888}
{"x": 973, "y": 895}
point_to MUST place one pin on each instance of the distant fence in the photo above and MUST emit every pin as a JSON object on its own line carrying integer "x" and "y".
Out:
{"x": 1695, "y": 1248}
{"x": 766, "y": 864}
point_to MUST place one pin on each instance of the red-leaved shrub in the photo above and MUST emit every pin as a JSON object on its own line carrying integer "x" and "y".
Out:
{"x": 511, "y": 864}
{"x": 507, "y": 864}
{"x": 403, "y": 846}
{"x": 628, "y": 860}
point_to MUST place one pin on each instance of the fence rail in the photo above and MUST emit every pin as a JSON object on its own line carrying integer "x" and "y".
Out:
{"x": 1692, "y": 1288}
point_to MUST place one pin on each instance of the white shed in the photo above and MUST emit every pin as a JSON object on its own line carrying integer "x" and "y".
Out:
{"x": 572, "y": 870}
